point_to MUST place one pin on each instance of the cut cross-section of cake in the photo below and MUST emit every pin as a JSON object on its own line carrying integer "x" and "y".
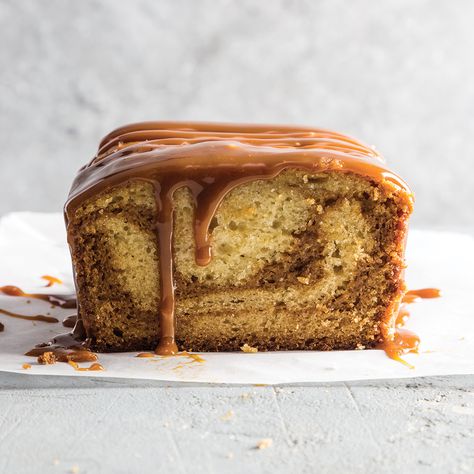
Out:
{"x": 206, "y": 237}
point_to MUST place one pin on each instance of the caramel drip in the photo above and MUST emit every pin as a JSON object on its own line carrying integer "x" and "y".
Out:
{"x": 402, "y": 340}
{"x": 2, "y": 327}
{"x": 51, "y": 280}
{"x": 210, "y": 160}
{"x": 37, "y": 317}
{"x": 63, "y": 301}
{"x": 72, "y": 346}
{"x": 145, "y": 355}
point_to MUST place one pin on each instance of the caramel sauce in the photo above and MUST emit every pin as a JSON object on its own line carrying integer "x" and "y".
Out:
{"x": 72, "y": 346}
{"x": 37, "y": 317}
{"x": 51, "y": 280}
{"x": 92, "y": 367}
{"x": 402, "y": 340}
{"x": 63, "y": 301}
{"x": 423, "y": 293}
{"x": 70, "y": 321}
{"x": 210, "y": 160}
{"x": 193, "y": 357}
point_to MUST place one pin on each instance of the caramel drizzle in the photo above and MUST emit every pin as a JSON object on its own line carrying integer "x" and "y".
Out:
{"x": 174, "y": 155}
{"x": 70, "y": 321}
{"x": 424, "y": 293}
{"x": 93, "y": 367}
{"x": 189, "y": 355}
{"x": 37, "y": 317}
{"x": 63, "y": 301}
{"x": 72, "y": 346}
{"x": 404, "y": 341}
{"x": 51, "y": 280}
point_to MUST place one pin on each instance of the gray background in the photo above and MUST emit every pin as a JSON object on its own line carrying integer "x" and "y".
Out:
{"x": 397, "y": 73}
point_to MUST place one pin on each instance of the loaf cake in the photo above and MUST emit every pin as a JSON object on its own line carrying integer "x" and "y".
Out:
{"x": 211, "y": 237}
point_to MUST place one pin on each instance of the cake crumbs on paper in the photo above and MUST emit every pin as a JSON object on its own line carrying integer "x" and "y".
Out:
{"x": 26, "y": 366}
{"x": 303, "y": 279}
{"x": 264, "y": 443}
{"x": 228, "y": 416}
{"x": 47, "y": 358}
{"x": 248, "y": 349}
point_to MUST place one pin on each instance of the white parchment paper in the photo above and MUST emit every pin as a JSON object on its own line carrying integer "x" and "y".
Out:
{"x": 33, "y": 244}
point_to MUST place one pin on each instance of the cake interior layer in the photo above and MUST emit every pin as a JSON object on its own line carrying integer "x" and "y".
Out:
{"x": 299, "y": 262}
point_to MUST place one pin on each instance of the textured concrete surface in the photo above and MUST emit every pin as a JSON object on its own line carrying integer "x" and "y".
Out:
{"x": 63, "y": 425}
{"x": 396, "y": 73}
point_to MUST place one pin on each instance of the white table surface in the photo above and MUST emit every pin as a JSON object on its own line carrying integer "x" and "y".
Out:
{"x": 62, "y": 424}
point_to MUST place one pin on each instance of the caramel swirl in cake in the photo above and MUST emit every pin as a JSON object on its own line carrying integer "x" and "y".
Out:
{"x": 210, "y": 160}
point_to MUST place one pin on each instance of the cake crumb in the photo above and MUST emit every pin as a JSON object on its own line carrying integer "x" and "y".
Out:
{"x": 228, "y": 416}
{"x": 248, "y": 349}
{"x": 319, "y": 209}
{"x": 360, "y": 347}
{"x": 303, "y": 279}
{"x": 26, "y": 366}
{"x": 310, "y": 201}
{"x": 264, "y": 443}
{"x": 47, "y": 358}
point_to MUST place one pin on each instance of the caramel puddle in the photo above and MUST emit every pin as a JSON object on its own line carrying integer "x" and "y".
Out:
{"x": 405, "y": 341}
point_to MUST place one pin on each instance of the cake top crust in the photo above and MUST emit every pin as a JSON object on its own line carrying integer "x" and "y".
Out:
{"x": 211, "y": 159}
